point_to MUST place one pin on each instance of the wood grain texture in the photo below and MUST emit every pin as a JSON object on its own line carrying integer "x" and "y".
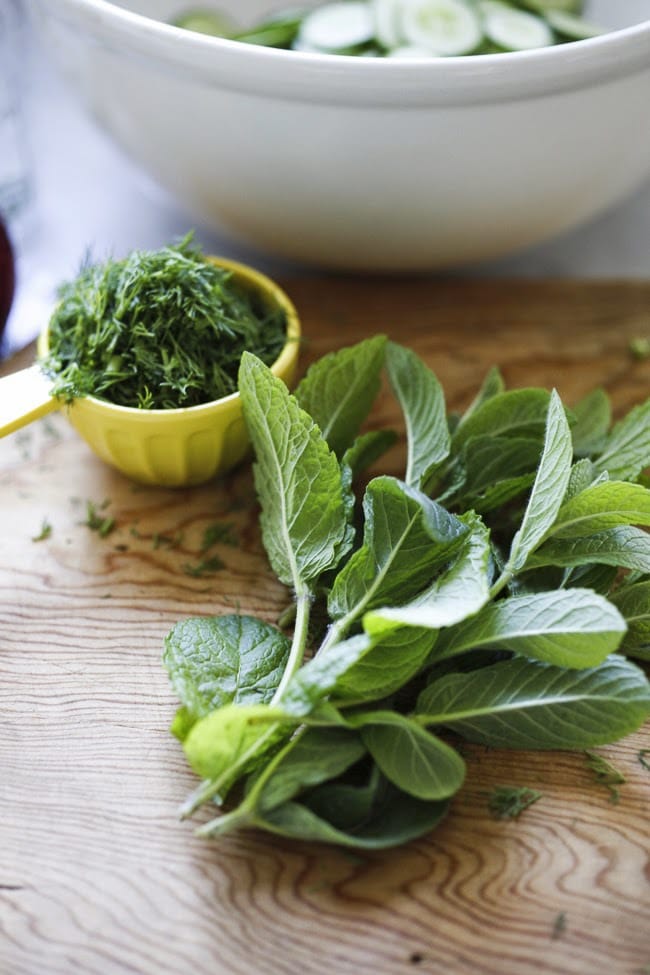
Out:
{"x": 98, "y": 876}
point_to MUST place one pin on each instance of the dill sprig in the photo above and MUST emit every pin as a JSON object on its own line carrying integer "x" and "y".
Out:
{"x": 559, "y": 925}
{"x": 158, "y": 330}
{"x": 206, "y": 567}
{"x": 101, "y": 524}
{"x": 508, "y": 801}
{"x": 218, "y": 533}
{"x": 45, "y": 532}
{"x": 605, "y": 773}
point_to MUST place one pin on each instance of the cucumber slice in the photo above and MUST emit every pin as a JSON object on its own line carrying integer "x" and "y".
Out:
{"x": 514, "y": 30}
{"x": 387, "y": 16}
{"x": 205, "y": 22}
{"x": 338, "y": 26}
{"x": 409, "y": 51}
{"x": 571, "y": 28}
{"x": 298, "y": 45}
{"x": 444, "y": 27}
{"x": 543, "y": 7}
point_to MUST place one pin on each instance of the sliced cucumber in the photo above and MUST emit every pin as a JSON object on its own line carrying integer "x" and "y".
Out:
{"x": 444, "y": 27}
{"x": 408, "y": 28}
{"x": 338, "y": 27}
{"x": 387, "y": 16}
{"x": 543, "y": 7}
{"x": 514, "y": 30}
{"x": 299, "y": 45}
{"x": 205, "y": 22}
{"x": 571, "y": 28}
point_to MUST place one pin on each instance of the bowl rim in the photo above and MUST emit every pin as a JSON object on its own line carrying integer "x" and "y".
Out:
{"x": 280, "y": 367}
{"x": 354, "y": 81}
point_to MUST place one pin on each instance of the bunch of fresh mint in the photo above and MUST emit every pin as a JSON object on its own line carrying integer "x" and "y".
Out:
{"x": 483, "y": 597}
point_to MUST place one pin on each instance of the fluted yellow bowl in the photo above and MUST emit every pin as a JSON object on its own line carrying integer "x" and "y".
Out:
{"x": 177, "y": 448}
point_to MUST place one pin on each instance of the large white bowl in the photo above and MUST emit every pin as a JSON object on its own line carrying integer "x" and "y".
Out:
{"x": 359, "y": 162}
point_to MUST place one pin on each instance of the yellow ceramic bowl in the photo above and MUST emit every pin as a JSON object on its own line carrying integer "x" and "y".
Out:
{"x": 176, "y": 448}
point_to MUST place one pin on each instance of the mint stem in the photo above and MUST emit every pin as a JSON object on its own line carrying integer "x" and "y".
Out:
{"x": 503, "y": 580}
{"x": 299, "y": 642}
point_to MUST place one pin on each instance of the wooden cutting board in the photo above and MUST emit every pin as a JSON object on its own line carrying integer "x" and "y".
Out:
{"x": 97, "y": 875}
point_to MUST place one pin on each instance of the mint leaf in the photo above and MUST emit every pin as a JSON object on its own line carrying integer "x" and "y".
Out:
{"x": 319, "y": 676}
{"x": 409, "y": 756}
{"x": 549, "y": 487}
{"x": 348, "y": 805}
{"x": 593, "y": 416}
{"x": 182, "y": 724}
{"x": 304, "y": 511}
{"x": 603, "y": 505}
{"x": 393, "y": 660}
{"x": 625, "y": 547}
{"x": 459, "y": 592}
{"x": 520, "y": 704}
{"x": 230, "y": 737}
{"x": 633, "y": 602}
{"x": 626, "y": 452}
{"x": 367, "y": 448}
{"x": 517, "y": 412}
{"x": 223, "y": 660}
{"x": 397, "y": 819}
{"x": 406, "y": 538}
{"x": 489, "y": 459}
{"x": 499, "y": 494}
{"x": 600, "y": 578}
{"x": 340, "y": 388}
{"x": 583, "y": 474}
{"x": 313, "y": 757}
{"x": 491, "y": 386}
{"x": 423, "y": 403}
{"x": 570, "y": 628}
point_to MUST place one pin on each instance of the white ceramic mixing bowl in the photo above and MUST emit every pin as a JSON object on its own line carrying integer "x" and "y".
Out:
{"x": 365, "y": 163}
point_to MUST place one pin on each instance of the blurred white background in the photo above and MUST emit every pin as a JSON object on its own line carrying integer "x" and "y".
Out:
{"x": 87, "y": 197}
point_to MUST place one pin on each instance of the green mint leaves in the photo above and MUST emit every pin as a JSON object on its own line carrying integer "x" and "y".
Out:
{"x": 548, "y": 488}
{"x": 490, "y": 590}
{"x": 519, "y": 704}
{"x": 406, "y": 537}
{"x": 423, "y": 403}
{"x": 224, "y": 660}
{"x": 298, "y": 480}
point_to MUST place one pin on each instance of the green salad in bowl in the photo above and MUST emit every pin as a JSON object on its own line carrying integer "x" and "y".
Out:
{"x": 407, "y": 28}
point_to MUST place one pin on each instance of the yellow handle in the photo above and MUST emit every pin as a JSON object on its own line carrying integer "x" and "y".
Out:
{"x": 24, "y": 396}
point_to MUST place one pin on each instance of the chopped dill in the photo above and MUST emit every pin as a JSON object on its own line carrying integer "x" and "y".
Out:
{"x": 204, "y": 568}
{"x": 644, "y": 759}
{"x": 606, "y": 774}
{"x": 157, "y": 330}
{"x": 50, "y": 429}
{"x": 559, "y": 926}
{"x": 159, "y": 540}
{"x": 45, "y": 532}
{"x": 96, "y": 522}
{"x": 508, "y": 801}
{"x": 219, "y": 532}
